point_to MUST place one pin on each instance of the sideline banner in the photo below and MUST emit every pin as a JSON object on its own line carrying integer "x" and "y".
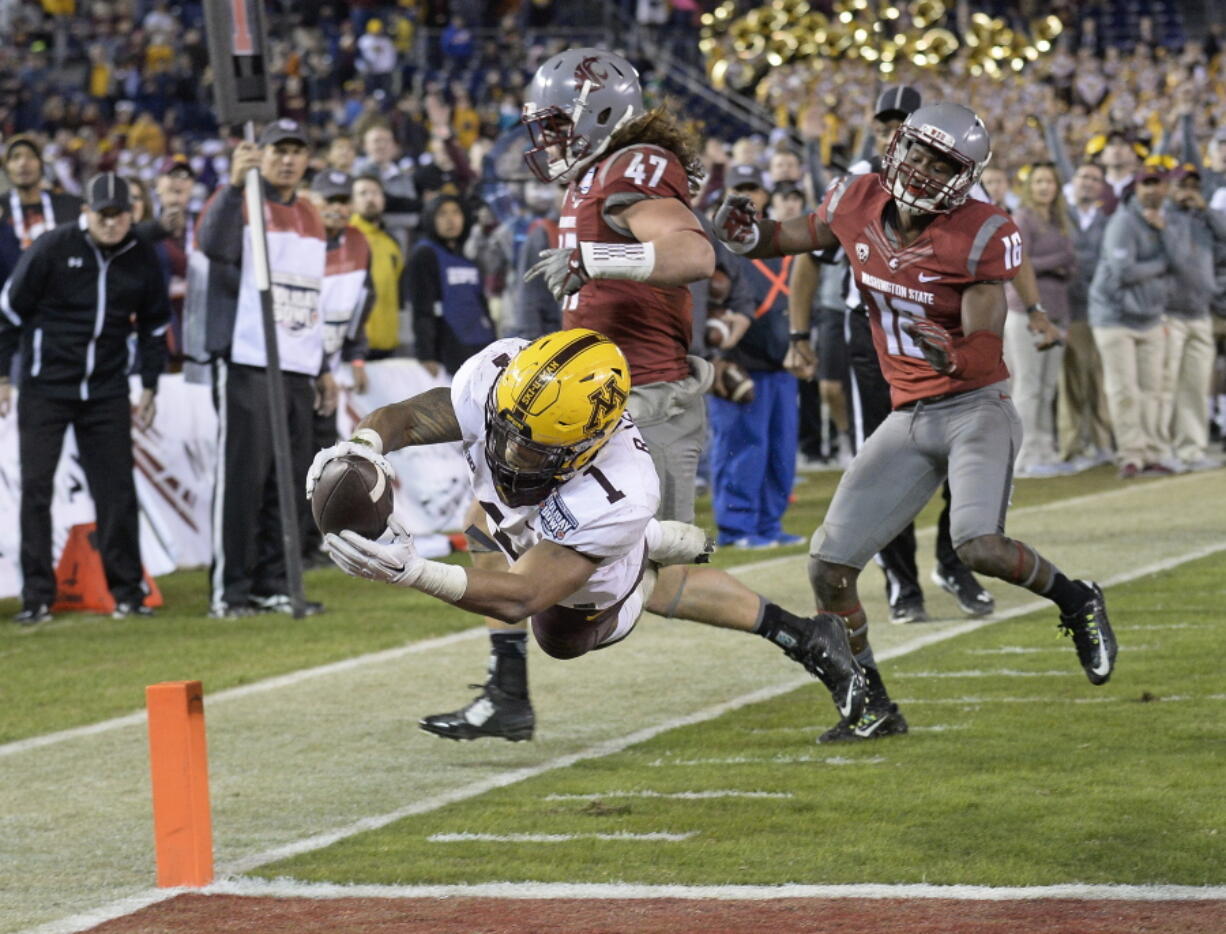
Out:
{"x": 175, "y": 462}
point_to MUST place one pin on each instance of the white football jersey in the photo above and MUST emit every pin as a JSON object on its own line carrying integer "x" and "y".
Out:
{"x": 602, "y": 512}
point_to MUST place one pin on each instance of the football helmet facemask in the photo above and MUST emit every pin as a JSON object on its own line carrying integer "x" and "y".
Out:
{"x": 576, "y": 102}
{"x": 551, "y": 410}
{"x": 957, "y": 134}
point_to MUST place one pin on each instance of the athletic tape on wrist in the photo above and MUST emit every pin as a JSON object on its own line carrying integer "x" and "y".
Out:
{"x": 369, "y": 437}
{"x": 445, "y": 581}
{"x": 634, "y": 261}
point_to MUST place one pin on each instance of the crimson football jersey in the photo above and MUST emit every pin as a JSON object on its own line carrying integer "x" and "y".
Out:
{"x": 651, "y": 324}
{"x": 976, "y": 242}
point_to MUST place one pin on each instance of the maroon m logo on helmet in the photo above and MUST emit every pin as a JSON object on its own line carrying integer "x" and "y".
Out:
{"x": 606, "y": 401}
{"x": 586, "y": 71}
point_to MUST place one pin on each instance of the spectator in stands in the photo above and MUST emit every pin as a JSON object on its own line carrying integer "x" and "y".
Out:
{"x": 171, "y": 232}
{"x": 1128, "y": 298}
{"x": 1120, "y": 157}
{"x": 248, "y": 573}
{"x": 1199, "y": 236}
{"x": 402, "y": 207}
{"x": 342, "y": 154}
{"x": 73, "y": 300}
{"x": 785, "y": 167}
{"x": 30, "y": 209}
{"x": 450, "y": 318}
{"x": 1083, "y": 428}
{"x": 532, "y": 311}
{"x": 376, "y": 57}
{"x": 1046, "y": 232}
{"x": 995, "y": 182}
{"x": 344, "y": 302}
{"x": 387, "y": 268}
{"x": 753, "y": 440}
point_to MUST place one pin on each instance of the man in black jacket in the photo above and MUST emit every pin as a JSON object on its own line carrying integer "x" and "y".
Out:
{"x": 71, "y": 303}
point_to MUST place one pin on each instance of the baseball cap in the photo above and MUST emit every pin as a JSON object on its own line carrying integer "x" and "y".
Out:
{"x": 743, "y": 175}
{"x": 108, "y": 191}
{"x": 1186, "y": 170}
{"x": 787, "y": 188}
{"x": 176, "y": 165}
{"x": 899, "y": 100}
{"x": 281, "y": 130}
{"x": 332, "y": 183}
{"x": 22, "y": 141}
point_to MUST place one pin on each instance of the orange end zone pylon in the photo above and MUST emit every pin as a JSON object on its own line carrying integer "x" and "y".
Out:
{"x": 178, "y": 760}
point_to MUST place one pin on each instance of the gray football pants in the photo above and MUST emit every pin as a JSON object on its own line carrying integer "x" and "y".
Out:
{"x": 971, "y": 437}
{"x": 672, "y": 417}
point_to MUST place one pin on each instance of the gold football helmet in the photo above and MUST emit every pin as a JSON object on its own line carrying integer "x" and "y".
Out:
{"x": 557, "y": 402}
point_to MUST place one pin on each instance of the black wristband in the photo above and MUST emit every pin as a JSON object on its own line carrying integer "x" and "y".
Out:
{"x": 798, "y": 336}
{"x": 1031, "y": 309}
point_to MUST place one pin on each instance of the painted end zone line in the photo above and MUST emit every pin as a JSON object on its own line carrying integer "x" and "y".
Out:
{"x": 609, "y": 747}
{"x": 537, "y": 890}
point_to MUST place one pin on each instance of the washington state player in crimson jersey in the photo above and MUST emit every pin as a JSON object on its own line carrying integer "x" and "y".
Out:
{"x": 628, "y": 245}
{"x": 932, "y": 267}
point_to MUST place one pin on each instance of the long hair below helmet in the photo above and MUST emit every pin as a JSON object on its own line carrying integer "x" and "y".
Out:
{"x": 551, "y": 410}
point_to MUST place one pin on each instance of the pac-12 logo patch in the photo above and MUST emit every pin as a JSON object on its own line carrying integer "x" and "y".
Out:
{"x": 862, "y": 252}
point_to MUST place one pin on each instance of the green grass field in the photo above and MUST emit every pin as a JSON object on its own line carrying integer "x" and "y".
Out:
{"x": 1017, "y": 772}
{"x": 81, "y": 668}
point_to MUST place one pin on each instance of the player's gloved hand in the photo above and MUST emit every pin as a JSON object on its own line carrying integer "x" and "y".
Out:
{"x": 936, "y": 343}
{"x": 562, "y": 270}
{"x": 736, "y": 224}
{"x": 361, "y": 445}
{"x": 396, "y": 562}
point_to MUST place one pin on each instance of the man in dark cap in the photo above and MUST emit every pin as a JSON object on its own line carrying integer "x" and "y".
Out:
{"x": 30, "y": 209}
{"x": 71, "y": 304}
{"x": 248, "y": 573}
{"x": 344, "y": 302}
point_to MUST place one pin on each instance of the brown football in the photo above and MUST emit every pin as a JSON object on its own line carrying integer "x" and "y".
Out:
{"x": 352, "y": 494}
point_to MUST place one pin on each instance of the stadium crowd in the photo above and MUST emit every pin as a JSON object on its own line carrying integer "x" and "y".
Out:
{"x": 414, "y": 108}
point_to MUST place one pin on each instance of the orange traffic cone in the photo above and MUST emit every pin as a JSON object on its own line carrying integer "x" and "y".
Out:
{"x": 80, "y": 580}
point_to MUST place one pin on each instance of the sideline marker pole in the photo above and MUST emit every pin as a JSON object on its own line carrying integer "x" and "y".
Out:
{"x": 178, "y": 762}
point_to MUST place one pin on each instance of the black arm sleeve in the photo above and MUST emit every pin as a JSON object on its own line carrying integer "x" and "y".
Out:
{"x": 356, "y": 344}
{"x": 425, "y": 291}
{"x": 219, "y": 231}
{"x": 18, "y": 301}
{"x": 152, "y": 320}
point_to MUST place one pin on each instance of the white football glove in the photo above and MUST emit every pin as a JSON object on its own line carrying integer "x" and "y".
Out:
{"x": 396, "y": 562}
{"x": 340, "y": 449}
{"x": 562, "y": 270}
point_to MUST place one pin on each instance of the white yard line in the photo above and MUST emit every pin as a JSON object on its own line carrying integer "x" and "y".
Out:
{"x": 608, "y": 747}
{"x": 672, "y": 795}
{"x": 652, "y": 837}
{"x": 478, "y": 632}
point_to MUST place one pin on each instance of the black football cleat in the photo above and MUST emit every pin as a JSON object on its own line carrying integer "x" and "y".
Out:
{"x": 961, "y": 584}
{"x": 32, "y": 614}
{"x": 876, "y": 722}
{"x": 825, "y": 652}
{"x": 1092, "y": 635}
{"x": 908, "y": 610}
{"x": 492, "y": 713}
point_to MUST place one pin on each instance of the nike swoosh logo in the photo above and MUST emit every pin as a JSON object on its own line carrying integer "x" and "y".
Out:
{"x": 1103, "y": 667}
{"x": 871, "y": 728}
{"x": 845, "y": 706}
{"x": 925, "y": 278}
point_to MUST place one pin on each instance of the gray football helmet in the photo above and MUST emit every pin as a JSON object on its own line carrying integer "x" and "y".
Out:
{"x": 956, "y": 133}
{"x": 576, "y": 102}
